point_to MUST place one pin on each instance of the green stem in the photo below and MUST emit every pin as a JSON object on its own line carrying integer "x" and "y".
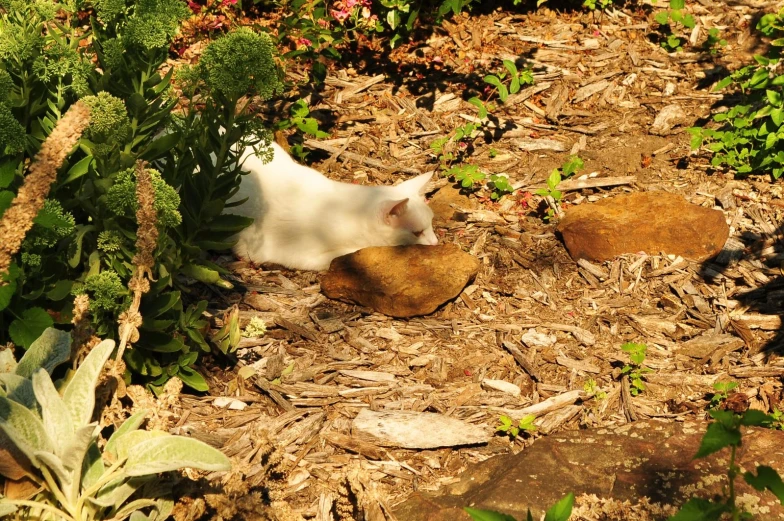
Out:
{"x": 54, "y": 489}
{"x": 111, "y": 474}
{"x": 732, "y": 474}
{"x": 36, "y": 504}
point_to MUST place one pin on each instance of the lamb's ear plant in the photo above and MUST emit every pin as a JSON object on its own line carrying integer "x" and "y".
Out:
{"x": 49, "y": 434}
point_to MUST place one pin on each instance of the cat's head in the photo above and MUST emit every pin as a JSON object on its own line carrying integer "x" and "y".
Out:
{"x": 406, "y": 218}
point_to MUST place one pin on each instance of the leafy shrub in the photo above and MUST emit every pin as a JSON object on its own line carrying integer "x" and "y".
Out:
{"x": 635, "y": 368}
{"x": 551, "y": 193}
{"x": 48, "y": 433}
{"x": 749, "y": 137}
{"x": 670, "y": 19}
{"x": 83, "y": 239}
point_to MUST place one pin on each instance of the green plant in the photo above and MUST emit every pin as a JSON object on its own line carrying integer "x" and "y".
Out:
{"x": 714, "y": 41}
{"x": 635, "y": 368}
{"x": 748, "y": 137}
{"x": 592, "y": 388}
{"x": 299, "y": 117}
{"x": 725, "y": 432}
{"x": 516, "y": 80}
{"x": 525, "y": 424}
{"x": 674, "y": 15}
{"x": 778, "y": 419}
{"x": 722, "y": 392}
{"x": 597, "y": 4}
{"x": 551, "y": 193}
{"x": 561, "y": 511}
{"x": 83, "y": 241}
{"x": 48, "y": 435}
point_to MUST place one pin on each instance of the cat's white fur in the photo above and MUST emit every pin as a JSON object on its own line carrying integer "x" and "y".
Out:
{"x": 303, "y": 220}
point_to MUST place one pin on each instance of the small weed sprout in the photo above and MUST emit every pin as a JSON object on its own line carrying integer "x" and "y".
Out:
{"x": 635, "y": 368}
{"x": 592, "y": 388}
{"x": 561, "y": 511}
{"x": 722, "y": 392}
{"x": 671, "y": 42}
{"x": 551, "y": 194}
{"x": 525, "y": 424}
{"x": 516, "y": 80}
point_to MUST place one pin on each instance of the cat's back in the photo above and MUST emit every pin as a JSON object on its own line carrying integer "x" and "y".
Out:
{"x": 281, "y": 170}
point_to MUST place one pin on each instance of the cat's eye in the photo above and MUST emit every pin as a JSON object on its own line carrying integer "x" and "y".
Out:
{"x": 419, "y": 233}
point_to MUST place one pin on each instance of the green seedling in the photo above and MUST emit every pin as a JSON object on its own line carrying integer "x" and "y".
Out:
{"x": 561, "y": 511}
{"x": 525, "y": 424}
{"x": 516, "y": 79}
{"x": 666, "y": 20}
{"x": 551, "y": 194}
{"x": 635, "y": 368}
{"x": 592, "y": 388}
{"x": 722, "y": 392}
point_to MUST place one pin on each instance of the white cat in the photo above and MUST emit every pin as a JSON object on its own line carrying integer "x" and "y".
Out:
{"x": 303, "y": 220}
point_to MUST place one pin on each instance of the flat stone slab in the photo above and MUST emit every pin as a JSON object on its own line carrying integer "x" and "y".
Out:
{"x": 650, "y": 222}
{"x": 652, "y": 459}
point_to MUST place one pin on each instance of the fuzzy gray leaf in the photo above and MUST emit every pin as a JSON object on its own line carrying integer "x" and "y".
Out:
{"x": 174, "y": 452}
{"x": 129, "y": 425}
{"x": 79, "y": 393}
{"x": 92, "y": 466}
{"x": 24, "y": 429}
{"x": 126, "y": 443}
{"x": 19, "y": 389}
{"x": 48, "y": 351}
{"x": 55, "y": 464}
{"x": 57, "y": 418}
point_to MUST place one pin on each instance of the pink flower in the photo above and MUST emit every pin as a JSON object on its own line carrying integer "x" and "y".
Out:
{"x": 228, "y": 2}
{"x": 304, "y": 42}
{"x": 341, "y": 16}
{"x": 196, "y": 8}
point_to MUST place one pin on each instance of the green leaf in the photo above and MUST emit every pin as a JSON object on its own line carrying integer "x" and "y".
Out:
{"x": 24, "y": 429}
{"x": 159, "y": 305}
{"x": 6, "y": 197}
{"x": 495, "y": 82}
{"x": 487, "y": 515}
{"x": 230, "y": 223}
{"x": 561, "y": 510}
{"x": 476, "y": 102}
{"x": 76, "y": 255}
{"x": 717, "y": 437}
{"x": 50, "y": 349}
{"x": 677, "y": 4}
{"x": 299, "y": 109}
{"x": 766, "y": 478}
{"x": 160, "y": 342}
{"x": 662, "y": 17}
{"x": 79, "y": 392}
{"x": 205, "y": 274}
{"x": 688, "y": 21}
{"x": 19, "y": 389}
{"x": 755, "y": 418}
{"x": 26, "y": 330}
{"x": 57, "y": 419}
{"x": 93, "y": 467}
{"x": 160, "y": 146}
{"x": 129, "y": 425}
{"x": 7, "y": 293}
{"x": 174, "y": 452}
{"x": 723, "y": 83}
{"x": 127, "y": 442}
{"x": 700, "y": 510}
{"x": 511, "y": 67}
{"x": 79, "y": 169}
{"x": 61, "y": 289}
{"x": 7, "y": 174}
{"x": 393, "y": 19}
{"x": 774, "y": 97}
{"x": 193, "y": 379}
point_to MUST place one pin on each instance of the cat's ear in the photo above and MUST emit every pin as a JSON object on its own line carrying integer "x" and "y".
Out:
{"x": 417, "y": 185}
{"x": 392, "y": 210}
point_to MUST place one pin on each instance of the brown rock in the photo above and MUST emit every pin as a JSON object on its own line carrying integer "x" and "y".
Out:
{"x": 651, "y": 222}
{"x": 441, "y": 203}
{"x": 400, "y": 281}
{"x": 654, "y": 459}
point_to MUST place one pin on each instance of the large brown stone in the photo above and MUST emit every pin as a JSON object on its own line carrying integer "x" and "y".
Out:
{"x": 650, "y": 222}
{"x": 652, "y": 459}
{"x": 442, "y": 201}
{"x": 400, "y": 281}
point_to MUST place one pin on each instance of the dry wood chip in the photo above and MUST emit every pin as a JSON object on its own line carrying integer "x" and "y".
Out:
{"x": 586, "y": 92}
{"x": 416, "y": 430}
{"x": 228, "y": 402}
{"x": 551, "y": 404}
{"x": 302, "y": 330}
{"x": 704, "y": 345}
{"x": 580, "y": 365}
{"x": 370, "y": 376}
{"x": 757, "y": 372}
{"x": 355, "y": 445}
{"x": 502, "y": 385}
{"x": 583, "y": 336}
{"x": 531, "y": 145}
